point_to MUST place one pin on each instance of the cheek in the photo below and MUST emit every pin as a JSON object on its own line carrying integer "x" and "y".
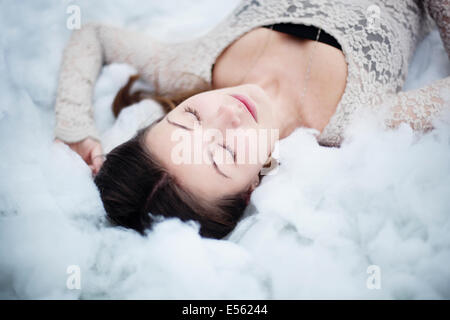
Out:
{"x": 206, "y": 104}
{"x": 253, "y": 146}
{"x": 247, "y": 173}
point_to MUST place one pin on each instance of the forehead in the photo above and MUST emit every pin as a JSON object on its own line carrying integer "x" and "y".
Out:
{"x": 200, "y": 178}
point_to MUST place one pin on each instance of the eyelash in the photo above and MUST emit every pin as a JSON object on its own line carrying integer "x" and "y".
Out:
{"x": 195, "y": 113}
{"x": 233, "y": 154}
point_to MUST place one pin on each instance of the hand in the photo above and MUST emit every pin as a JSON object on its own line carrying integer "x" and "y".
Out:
{"x": 90, "y": 151}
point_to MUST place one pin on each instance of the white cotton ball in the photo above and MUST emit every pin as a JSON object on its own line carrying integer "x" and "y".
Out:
{"x": 130, "y": 120}
{"x": 314, "y": 227}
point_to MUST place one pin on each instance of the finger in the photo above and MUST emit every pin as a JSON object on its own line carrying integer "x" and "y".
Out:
{"x": 94, "y": 171}
{"x": 94, "y": 167}
{"x": 97, "y": 162}
{"x": 97, "y": 158}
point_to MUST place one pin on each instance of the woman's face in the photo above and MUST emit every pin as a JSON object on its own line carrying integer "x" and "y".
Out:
{"x": 216, "y": 142}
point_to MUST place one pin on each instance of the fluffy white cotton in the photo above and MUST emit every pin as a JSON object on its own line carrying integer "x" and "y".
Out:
{"x": 313, "y": 228}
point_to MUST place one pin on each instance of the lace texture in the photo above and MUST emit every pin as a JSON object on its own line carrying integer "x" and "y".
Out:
{"x": 378, "y": 38}
{"x": 418, "y": 107}
{"x": 440, "y": 11}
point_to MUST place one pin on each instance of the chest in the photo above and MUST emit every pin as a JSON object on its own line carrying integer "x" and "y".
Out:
{"x": 284, "y": 61}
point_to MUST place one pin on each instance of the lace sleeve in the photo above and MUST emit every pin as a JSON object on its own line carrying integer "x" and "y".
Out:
{"x": 439, "y": 10}
{"x": 418, "y": 107}
{"x": 96, "y": 44}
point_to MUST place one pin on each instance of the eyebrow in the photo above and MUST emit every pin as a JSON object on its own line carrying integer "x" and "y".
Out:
{"x": 214, "y": 164}
{"x": 178, "y": 125}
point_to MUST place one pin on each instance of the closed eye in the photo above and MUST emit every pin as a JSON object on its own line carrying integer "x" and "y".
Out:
{"x": 210, "y": 152}
{"x": 194, "y": 112}
{"x": 233, "y": 154}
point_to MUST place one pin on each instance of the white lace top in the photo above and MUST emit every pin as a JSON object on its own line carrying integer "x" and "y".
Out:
{"x": 377, "y": 37}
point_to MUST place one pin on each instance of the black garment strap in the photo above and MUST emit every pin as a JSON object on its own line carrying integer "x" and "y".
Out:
{"x": 307, "y": 32}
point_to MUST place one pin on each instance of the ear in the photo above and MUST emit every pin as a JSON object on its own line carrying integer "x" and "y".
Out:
{"x": 255, "y": 183}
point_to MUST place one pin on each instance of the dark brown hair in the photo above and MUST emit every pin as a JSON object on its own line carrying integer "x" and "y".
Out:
{"x": 136, "y": 188}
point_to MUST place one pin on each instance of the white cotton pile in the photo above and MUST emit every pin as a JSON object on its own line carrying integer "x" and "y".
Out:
{"x": 380, "y": 200}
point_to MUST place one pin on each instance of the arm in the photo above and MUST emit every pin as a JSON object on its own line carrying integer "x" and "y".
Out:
{"x": 162, "y": 65}
{"x": 418, "y": 107}
{"x": 439, "y": 10}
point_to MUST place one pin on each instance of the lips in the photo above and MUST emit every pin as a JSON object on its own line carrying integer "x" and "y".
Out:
{"x": 248, "y": 105}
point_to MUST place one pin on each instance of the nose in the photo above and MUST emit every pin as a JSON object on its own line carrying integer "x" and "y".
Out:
{"x": 228, "y": 116}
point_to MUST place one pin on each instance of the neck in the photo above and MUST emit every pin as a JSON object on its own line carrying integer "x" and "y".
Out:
{"x": 279, "y": 65}
{"x": 289, "y": 111}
